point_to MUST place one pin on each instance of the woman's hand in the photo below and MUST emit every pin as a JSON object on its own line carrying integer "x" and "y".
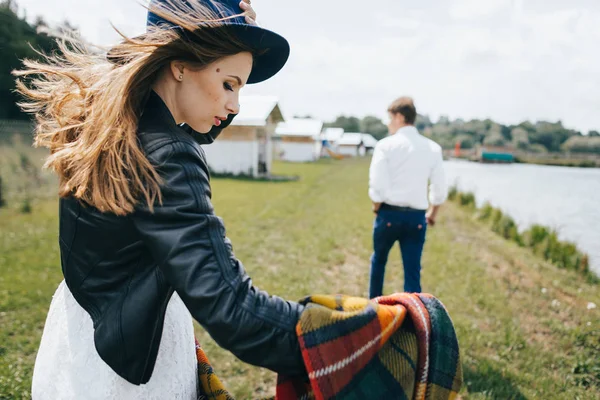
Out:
{"x": 249, "y": 12}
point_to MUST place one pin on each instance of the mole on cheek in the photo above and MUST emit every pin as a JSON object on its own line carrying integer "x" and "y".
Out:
{"x": 218, "y": 70}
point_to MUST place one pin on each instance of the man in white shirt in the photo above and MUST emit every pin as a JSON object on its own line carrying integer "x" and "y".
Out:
{"x": 406, "y": 179}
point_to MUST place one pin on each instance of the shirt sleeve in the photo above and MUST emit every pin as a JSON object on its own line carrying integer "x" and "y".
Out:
{"x": 438, "y": 187}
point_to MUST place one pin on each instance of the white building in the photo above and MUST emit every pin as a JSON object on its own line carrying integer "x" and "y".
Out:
{"x": 298, "y": 139}
{"x": 245, "y": 147}
{"x": 332, "y": 135}
{"x": 356, "y": 143}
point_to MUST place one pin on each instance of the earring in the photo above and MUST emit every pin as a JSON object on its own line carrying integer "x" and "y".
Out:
{"x": 180, "y": 77}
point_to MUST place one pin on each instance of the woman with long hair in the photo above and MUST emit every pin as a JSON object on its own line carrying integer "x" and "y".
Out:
{"x": 142, "y": 252}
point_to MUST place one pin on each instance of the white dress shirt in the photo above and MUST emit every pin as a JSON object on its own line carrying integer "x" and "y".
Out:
{"x": 403, "y": 166}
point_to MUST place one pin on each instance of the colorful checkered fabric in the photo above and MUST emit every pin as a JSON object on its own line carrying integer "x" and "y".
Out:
{"x": 401, "y": 346}
{"x": 210, "y": 387}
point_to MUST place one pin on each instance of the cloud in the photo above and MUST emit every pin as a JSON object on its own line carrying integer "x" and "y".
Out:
{"x": 477, "y": 9}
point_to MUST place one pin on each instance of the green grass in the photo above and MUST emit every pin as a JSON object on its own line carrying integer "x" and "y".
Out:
{"x": 23, "y": 180}
{"x": 523, "y": 325}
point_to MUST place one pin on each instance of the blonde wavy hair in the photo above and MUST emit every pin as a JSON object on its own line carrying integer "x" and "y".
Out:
{"x": 87, "y": 105}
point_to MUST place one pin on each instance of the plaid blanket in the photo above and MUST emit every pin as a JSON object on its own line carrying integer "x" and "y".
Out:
{"x": 401, "y": 346}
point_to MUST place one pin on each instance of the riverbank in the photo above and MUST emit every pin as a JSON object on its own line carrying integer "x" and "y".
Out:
{"x": 543, "y": 241}
{"x": 526, "y": 329}
{"x": 559, "y": 161}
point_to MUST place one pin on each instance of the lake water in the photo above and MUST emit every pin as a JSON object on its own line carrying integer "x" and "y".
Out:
{"x": 567, "y": 199}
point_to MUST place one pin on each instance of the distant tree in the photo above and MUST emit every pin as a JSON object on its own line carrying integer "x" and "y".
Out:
{"x": 520, "y": 138}
{"x": 593, "y": 133}
{"x": 349, "y": 124}
{"x": 442, "y": 130}
{"x": 10, "y": 5}
{"x": 494, "y": 129}
{"x": 17, "y": 38}
{"x": 506, "y": 132}
{"x": 550, "y": 134}
{"x": 528, "y": 126}
{"x": 494, "y": 139}
{"x": 580, "y": 144}
{"x": 477, "y": 128}
{"x": 40, "y": 22}
{"x": 543, "y": 136}
{"x": 422, "y": 122}
{"x": 374, "y": 126}
{"x": 466, "y": 141}
{"x": 443, "y": 120}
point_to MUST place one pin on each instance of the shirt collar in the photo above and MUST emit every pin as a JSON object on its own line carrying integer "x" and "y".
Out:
{"x": 407, "y": 130}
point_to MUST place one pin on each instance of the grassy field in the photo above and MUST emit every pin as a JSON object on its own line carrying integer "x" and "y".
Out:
{"x": 524, "y": 326}
{"x": 22, "y": 179}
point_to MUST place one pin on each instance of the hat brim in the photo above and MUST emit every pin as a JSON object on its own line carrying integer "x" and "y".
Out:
{"x": 272, "y": 50}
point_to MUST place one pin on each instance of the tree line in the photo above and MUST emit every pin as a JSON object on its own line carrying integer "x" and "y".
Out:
{"x": 540, "y": 137}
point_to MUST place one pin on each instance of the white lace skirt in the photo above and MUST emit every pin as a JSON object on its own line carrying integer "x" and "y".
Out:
{"x": 68, "y": 366}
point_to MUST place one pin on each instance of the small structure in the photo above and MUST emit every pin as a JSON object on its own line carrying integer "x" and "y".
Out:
{"x": 332, "y": 136}
{"x": 298, "y": 139}
{"x": 245, "y": 148}
{"x": 329, "y": 139}
{"x": 356, "y": 144}
{"x": 495, "y": 154}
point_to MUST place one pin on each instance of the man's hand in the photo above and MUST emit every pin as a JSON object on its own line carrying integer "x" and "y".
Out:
{"x": 248, "y": 11}
{"x": 431, "y": 215}
{"x": 376, "y": 207}
{"x": 430, "y": 218}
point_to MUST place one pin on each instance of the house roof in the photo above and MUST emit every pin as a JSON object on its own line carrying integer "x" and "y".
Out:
{"x": 369, "y": 140}
{"x": 354, "y": 139}
{"x": 300, "y": 127}
{"x": 333, "y": 134}
{"x": 255, "y": 111}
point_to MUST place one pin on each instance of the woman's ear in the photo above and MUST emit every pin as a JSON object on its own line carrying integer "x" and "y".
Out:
{"x": 177, "y": 68}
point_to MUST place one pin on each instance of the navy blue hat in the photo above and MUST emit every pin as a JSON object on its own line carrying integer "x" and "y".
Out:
{"x": 273, "y": 50}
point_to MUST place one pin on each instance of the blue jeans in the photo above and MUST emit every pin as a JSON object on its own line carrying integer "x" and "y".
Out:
{"x": 408, "y": 228}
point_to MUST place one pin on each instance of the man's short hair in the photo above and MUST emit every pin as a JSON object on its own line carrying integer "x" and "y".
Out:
{"x": 406, "y": 107}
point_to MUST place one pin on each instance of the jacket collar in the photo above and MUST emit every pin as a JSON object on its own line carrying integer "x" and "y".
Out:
{"x": 157, "y": 114}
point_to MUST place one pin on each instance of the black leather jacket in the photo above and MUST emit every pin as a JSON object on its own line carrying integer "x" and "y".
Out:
{"x": 123, "y": 270}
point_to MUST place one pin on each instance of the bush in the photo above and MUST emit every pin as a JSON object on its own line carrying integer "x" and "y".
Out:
{"x": 466, "y": 199}
{"x": 547, "y": 246}
{"x": 562, "y": 254}
{"x": 543, "y": 241}
{"x": 485, "y": 212}
{"x": 452, "y": 192}
{"x": 535, "y": 235}
{"x": 26, "y": 206}
{"x": 496, "y": 216}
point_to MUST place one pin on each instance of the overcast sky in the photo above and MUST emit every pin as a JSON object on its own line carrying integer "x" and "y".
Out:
{"x": 509, "y": 60}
